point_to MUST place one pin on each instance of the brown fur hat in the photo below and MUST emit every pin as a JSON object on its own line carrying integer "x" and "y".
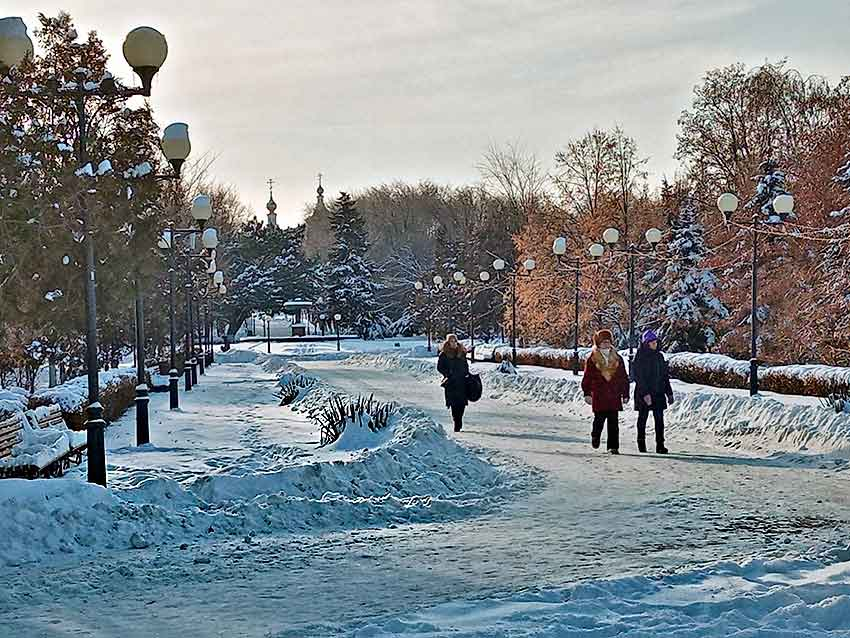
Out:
{"x": 602, "y": 336}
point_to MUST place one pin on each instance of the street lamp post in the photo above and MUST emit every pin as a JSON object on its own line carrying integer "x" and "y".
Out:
{"x": 176, "y": 147}
{"x": 322, "y": 318}
{"x": 201, "y": 212}
{"x": 337, "y": 319}
{"x": 611, "y": 236}
{"x": 145, "y": 50}
{"x": 559, "y": 249}
{"x": 783, "y": 207}
{"x": 528, "y": 266}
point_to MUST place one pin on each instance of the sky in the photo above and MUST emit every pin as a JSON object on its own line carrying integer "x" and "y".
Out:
{"x": 370, "y": 91}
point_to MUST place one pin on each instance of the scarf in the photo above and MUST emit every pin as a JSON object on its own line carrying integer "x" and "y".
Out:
{"x": 607, "y": 365}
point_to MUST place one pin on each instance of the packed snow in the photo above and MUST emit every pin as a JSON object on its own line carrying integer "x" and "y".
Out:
{"x": 234, "y": 520}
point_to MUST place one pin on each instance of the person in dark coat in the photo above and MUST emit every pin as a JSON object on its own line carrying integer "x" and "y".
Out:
{"x": 453, "y": 366}
{"x": 652, "y": 390}
{"x": 606, "y": 386}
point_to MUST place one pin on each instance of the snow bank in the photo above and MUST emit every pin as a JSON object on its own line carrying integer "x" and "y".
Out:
{"x": 759, "y": 423}
{"x": 780, "y": 598}
{"x": 706, "y": 369}
{"x": 13, "y": 400}
{"x": 411, "y": 472}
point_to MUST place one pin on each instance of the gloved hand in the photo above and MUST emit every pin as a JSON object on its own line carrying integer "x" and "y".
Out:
{"x": 648, "y": 399}
{"x": 670, "y": 399}
{"x": 588, "y": 399}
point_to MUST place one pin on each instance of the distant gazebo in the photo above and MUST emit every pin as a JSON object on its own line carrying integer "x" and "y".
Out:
{"x": 295, "y": 307}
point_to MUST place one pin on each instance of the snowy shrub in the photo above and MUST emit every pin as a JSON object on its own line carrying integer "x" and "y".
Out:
{"x": 292, "y": 388}
{"x": 506, "y": 367}
{"x": 117, "y": 394}
{"x": 339, "y": 414}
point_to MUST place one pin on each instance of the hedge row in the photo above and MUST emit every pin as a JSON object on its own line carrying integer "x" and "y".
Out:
{"x": 117, "y": 394}
{"x": 704, "y": 369}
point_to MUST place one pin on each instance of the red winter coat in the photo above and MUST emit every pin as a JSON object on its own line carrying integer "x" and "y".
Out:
{"x": 608, "y": 385}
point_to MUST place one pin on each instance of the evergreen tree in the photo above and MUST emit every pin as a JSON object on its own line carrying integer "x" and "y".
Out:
{"x": 349, "y": 286}
{"x": 690, "y": 307}
{"x": 267, "y": 268}
{"x": 770, "y": 183}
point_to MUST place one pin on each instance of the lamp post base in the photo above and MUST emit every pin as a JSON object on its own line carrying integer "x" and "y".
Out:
{"x": 173, "y": 389}
{"x": 143, "y": 435}
{"x": 193, "y": 370}
{"x": 201, "y": 363}
{"x": 754, "y": 377}
{"x": 187, "y": 374}
{"x": 96, "y": 451}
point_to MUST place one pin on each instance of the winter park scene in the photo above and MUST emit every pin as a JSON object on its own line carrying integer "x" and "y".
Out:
{"x": 504, "y": 319}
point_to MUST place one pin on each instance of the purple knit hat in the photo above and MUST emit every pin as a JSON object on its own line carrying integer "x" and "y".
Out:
{"x": 649, "y": 336}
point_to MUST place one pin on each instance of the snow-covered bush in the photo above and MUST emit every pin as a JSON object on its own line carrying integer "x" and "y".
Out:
{"x": 339, "y": 414}
{"x": 117, "y": 393}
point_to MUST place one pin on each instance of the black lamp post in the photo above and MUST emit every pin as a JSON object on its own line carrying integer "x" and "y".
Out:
{"x": 145, "y": 50}
{"x": 783, "y": 206}
{"x": 559, "y": 249}
{"x": 337, "y": 319}
{"x": 201, "y": 213}
{"x": 611, "y": 236}
{"x": 176, "y": 148}
{"x": 523, "y": 270}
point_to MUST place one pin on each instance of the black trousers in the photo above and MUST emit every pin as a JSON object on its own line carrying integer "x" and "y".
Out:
{"x": 613, "y": 419}
{"x": 457, "y": 415}
{"x": 658, "y": 417}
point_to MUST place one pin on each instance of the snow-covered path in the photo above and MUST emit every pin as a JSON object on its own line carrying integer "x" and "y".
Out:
{"x": 594, "y": 516}
{"x": 602, "y": 516}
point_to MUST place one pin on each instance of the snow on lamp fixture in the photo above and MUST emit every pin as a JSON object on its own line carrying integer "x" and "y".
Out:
{"x": 596, "y": 250}
{"x": 499, "y": 265}
{"x": 15, "y": 44}
{"x": 559, "y": 248}
{"x": 211, "y": 269}
{"x": 201, "y": 208}
{"x": 218, "y": 278}
{"x": 611, "y": 236}
{"x": 418, "y": 285}
{"x": 484, "y": 276}
{"x": 145, "y": 50}
{"x": 210, "y": 238}
{"x": 222, "y": 289}
{"x": 727, "y": 203}
{"x": 438, "y": 281}
{"x": 458, "y": 276}
{"x": 337, "y": 317}
{"x": 653, "y": 236}
{"x": 529, "y": 264}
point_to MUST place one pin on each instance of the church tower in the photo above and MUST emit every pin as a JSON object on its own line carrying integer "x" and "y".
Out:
{"x": 318, "y": 236}
{"x": 272, "y": 207}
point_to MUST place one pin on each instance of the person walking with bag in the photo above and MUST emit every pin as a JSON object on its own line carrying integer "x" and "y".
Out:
{"x": 453, "y": 366}
{"x": 653, "y": 392}
{"x": 606, "y": 386}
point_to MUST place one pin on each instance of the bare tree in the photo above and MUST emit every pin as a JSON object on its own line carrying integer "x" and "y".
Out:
{"x": 515, "y": 174}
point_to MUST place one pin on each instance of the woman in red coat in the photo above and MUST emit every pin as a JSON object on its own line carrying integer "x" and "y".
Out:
{"x": 606, "y": 386}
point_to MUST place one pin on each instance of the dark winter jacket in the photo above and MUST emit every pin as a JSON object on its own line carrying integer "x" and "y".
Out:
{"x": 454, "y": 367}
{"x": 652, "y": 377}
{"x": 606, "y": 383}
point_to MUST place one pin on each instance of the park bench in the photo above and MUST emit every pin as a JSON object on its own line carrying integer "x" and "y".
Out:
{"x": 46, "y": 465}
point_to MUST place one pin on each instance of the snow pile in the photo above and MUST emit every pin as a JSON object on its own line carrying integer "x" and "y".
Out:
{"x": 760, "y": 423}
{"x": 410, "y": 472}
{"x": 72, "y": 396}
{"x": 13, "y": 400}
{"x": 784, "y": 597}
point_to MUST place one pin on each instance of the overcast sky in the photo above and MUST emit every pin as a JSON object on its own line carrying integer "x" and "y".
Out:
{"x": 367, "y": 91}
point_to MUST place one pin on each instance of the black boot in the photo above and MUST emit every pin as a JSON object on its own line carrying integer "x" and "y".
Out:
{"x": 641, "y": 445}
{"x": 661, "y": 450}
